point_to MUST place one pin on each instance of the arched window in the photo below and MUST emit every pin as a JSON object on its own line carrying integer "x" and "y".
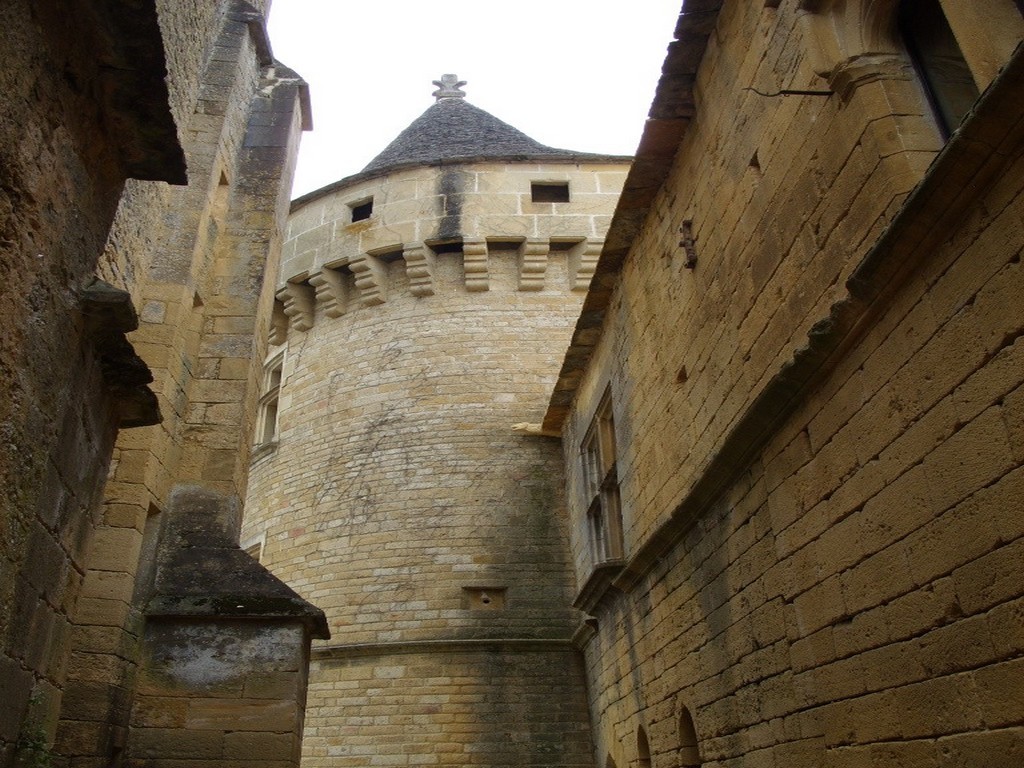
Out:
{"x": 643, "y": 749}
{"x": 610, "y": 762}
{"x": 689, "y": 751}
{"x": 939, "y": 62}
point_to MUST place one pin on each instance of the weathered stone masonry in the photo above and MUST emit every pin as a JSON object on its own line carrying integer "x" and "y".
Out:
{"x": 819, "y": 479}
{"x": 103, "y": 101}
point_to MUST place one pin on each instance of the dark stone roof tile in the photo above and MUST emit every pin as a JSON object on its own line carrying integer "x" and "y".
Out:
{"x": 453, "y": 128}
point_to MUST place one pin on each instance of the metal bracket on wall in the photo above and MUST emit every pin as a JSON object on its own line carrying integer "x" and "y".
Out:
{"x": 686, "y": 242}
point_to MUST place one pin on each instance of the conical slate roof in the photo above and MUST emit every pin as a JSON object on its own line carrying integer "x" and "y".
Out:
{"x": 454, "y": 129}
{"x": 451, "y": 130}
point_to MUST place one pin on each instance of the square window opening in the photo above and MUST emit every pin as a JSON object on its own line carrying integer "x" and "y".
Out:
{"x": 549, "y": 191}
{"x": 362, "y": 210}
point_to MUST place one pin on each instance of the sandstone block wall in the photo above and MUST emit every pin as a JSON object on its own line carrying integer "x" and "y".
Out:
{"x": 397, "y": 490}
{"x": 66, "y": 371}
{"x": 220, "y": 692}
{"x": 820, "y": 479}
{"x": 97, "y": 93}
{"x": 394, "y": 487}
{"x": 202, "y": 296}
{"x": 224, "y": 651}
{"x": 449, "y": 705}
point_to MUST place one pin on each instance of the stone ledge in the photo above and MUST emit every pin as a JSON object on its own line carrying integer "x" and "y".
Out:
{"x": 117, "y": 45}
{"x": 518, "y": 645}
{"x": 108, "y": 315}
{"x": 601, "y": 580}
{"x": 226, "y": 583}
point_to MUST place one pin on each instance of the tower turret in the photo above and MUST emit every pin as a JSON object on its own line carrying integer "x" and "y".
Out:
{"x": 426, "y": 304}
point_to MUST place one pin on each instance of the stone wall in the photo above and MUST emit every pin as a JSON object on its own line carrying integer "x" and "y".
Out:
{"x": 202, "y": 296}
{"x": 239, "y": 701}
{"x": 97, "y": 93}
{"x": 397, "y": 478}
{"x": 224, "y": 653}
{"x": 820, "y": 472}
{"x": 488, "y": 704}
{"x": 68, "y": 140}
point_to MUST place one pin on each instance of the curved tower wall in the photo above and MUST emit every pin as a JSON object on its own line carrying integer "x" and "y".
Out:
{"x": 397, "y": 495}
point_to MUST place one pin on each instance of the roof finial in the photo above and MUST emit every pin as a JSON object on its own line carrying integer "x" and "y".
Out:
{"x": 449, "y": 87}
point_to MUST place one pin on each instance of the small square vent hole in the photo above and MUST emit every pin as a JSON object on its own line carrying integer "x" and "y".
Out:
{"x": 483, "y": 598}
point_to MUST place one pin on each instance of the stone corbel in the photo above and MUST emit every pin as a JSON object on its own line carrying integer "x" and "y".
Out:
{"x": 109, "y": 315}
{"x": 370, "y": 279}
{"x": 330, "y": 291}
{"x": 474, "y": 261}
{"x": 533, "y": 264}
{"x": 847, "y": 76}
{"x": 298, "y": 305}
{"x": 278, "y": 324}
{"x": 419, "y": 266}
{"x": 588, "y": 253}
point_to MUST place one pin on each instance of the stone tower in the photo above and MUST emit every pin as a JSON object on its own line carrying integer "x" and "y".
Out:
{"x": 399, "y": 482}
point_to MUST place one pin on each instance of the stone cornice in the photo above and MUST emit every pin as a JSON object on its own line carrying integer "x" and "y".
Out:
{"x": 666, "y": 125}
{"x": 516, "y": 644}
{"x": 601, "y": 580}
{"x": 362, "y": 281}
{"x": 108, "y": 316}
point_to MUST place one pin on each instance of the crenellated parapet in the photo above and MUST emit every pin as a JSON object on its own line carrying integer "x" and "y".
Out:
{"x": 530, "y": 265}
{"x": 586, "y": 263}
{"x": 370, "y": 279}
{"x": 424, "y": 214}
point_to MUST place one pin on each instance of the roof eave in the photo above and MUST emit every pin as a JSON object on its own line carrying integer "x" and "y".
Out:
{"x": 669, "y": 117}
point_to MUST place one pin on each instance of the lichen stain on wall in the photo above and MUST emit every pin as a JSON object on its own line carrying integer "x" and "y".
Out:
{"x": 204, "y": 655}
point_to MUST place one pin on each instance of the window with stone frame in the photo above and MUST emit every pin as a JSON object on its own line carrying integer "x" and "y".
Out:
{"x": 266, "y": 427}
{"x": 601, "y": 485}
{"x": 853, "y": 43}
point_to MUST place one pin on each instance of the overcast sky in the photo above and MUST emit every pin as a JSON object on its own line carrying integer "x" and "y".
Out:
{"x": 574, "y": 74}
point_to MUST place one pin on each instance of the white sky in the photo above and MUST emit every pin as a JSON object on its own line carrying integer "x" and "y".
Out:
{"x": 575, "y": 74}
